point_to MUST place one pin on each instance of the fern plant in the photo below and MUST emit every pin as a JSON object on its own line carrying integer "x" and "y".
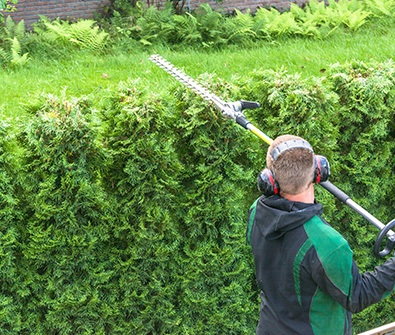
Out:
{"x": 211, "y": 26}
{"x": 282, "y": 23}
{"x": 356, "y": 19}
{"x": 154, "y": 26}
{"x": 187, "y": 28}
{"x": 84, "y": 34}
{"x": 312, "y": 20}
{"x": 11, "y": 36}
{"x": 348, "y": 13}
{"x": 5, "y": 56}
{"x": 243, "y": 28}
{"x": 380, "y": 7}
{"x": 18, "y": 59}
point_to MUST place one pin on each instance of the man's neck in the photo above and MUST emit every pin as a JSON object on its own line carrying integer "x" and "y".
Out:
{"x": 306, "y": 196}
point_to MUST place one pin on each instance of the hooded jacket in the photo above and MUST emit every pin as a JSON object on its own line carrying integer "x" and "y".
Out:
{"x": 309, "y": 282}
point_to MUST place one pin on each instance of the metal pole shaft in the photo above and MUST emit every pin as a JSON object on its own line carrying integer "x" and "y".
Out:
{"x": 352, "y": 204}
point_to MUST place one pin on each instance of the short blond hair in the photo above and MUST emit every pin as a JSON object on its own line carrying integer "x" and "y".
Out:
{"x": 293, "y": 169}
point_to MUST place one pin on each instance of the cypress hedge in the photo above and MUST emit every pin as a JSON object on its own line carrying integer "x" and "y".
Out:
{"x": 128, "y": 216}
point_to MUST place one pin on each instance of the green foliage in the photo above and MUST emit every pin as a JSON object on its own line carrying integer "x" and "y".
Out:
{"x": 188, "y": 30}
{"x": 67, "y": 236}
{"x": 17, "y": 58}
{"x": 367, "y": 93}
{"x": 313, "y": 20}
{"x": 14, "y": 30}
{"x": 84, "y": 34}
{"x": 134, "y": 23}
{"x": 11, "y": 35}
{"x": 11, "y": 231}
{"x": 242, "y": 28}
{"x": 366, "y": 147}
{"x": 7, "y": 5}
{"x": 293, "y": 105}
{"x": 217, "y": 171}
{"x": 381, "y": 7}
{"x": 205, "y": 27}
{"x": 211, "y": 26}
{"x": 139, "y": 204}
{"x": 123, "y": 7}
{"x": 178, "y": 256}
{"x": 144, "y": 178}
{"x": 127, "y": 214}
{"x": 275, "y": 23}
{"x": 349, "y": 13}
{"x": 153, "y": 25}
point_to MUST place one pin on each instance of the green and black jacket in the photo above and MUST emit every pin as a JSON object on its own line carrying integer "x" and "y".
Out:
{"x": 310, "y": 284}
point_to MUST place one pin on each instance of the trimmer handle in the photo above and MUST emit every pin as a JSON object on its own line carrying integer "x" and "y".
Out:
{"x": 390, "y": 244}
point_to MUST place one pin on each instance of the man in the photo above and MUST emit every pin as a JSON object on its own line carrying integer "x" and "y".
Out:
{"x": 309, "y": 282}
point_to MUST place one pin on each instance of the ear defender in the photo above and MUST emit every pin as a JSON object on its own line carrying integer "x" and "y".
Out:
{"x": 266, "y": 182}
{"x": 267, "y": 185}
{"x": 322, "y": 169}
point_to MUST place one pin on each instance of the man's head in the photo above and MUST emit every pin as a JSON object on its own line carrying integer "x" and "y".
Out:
{"x": 293, "y": 167}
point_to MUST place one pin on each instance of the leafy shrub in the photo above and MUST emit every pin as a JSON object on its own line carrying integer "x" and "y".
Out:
{"x": 11, "y": 231}
{"x": 190, "y": 257}
{"x": 366, "y": 146}
{"x": 215, "y": 256}
{"x": 67, "y": 236}
{"x": 140, "y": 206}
{"x": 144, "y": 179}
{"x": 211, "y": 26}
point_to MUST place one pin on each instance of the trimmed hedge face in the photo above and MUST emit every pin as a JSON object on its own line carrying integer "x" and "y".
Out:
{"x": 131, "y": 219}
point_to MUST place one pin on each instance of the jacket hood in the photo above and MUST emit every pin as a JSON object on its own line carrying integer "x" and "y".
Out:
{"x": 276, "y": 215}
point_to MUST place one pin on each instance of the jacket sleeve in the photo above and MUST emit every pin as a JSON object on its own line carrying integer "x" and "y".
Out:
{"x": 339, "y": 276}
{"x": 371, "y": 287}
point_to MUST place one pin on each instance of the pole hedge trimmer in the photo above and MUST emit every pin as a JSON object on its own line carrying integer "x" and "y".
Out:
{"x": 234, "y": 110}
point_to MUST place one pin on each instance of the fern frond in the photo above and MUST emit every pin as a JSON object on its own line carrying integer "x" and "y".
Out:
{"x": 57, "y": 30}
{"x": 13, "y": 29}
{"x": 83, "y": 33}
{"x": 16, "y": 50}
{"x": 298, "y": 13}
{"x": 283, "y": 24}
{"x": 9, "y": 25}
{"x": 5, "y": 56}
{"x": 15, "y": 46}
{"x": 187, "y": 28}
{"x": 211, "y": 25}
{"x": 87, "y": 35}
{"x": 356, "y": 19}
{"x": 243, "y": 24}
{"x": 20, "y": 29}
{"x": 380, "y": 7}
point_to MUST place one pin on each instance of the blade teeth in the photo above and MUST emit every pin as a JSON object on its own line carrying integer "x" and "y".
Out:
{"x": 181, "y": 76}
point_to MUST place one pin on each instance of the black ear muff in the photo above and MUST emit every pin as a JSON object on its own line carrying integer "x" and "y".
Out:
{"x": 267, "y": 185}
{"x": 322, "y": 169}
